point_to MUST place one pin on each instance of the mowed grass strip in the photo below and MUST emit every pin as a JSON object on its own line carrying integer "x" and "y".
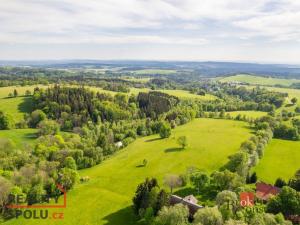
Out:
{"x": 281, "y": 159}
{"x": 107, "y": 197}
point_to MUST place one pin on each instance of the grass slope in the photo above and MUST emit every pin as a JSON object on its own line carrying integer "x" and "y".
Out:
{"x": 185, "y": 94}
{"x": 16, "y": 107}
{"x": 258, "y": 80}
{"x": 178, "y": 93}
{"x": 20, "y": 137}
{"x": 106, "y": 198}
{"x": 248, "y": 114}
{"x": 281, "y": 159}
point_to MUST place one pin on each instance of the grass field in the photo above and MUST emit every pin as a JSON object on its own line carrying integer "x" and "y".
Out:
{"x": 20, "y": 137}
{"x": 16, "y": 107}
{"x": 281, "y": 159}
{"x": 4, "y": 91}
{"x": 259, "y": 80}
{"x": 248, "y": 114}
{"x": 106, "y": 198}
{"x": 178, "y": 93}
{"x": 185, "y": 94}
{"x": 291, "y": 94}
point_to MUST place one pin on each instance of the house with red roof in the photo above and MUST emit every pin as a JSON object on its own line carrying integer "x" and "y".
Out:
{"x": 266, "y": 191}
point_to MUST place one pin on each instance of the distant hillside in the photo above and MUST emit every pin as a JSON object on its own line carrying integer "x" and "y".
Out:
{"x": 202, "y": 69}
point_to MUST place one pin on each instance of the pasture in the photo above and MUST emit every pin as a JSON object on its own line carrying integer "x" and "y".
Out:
{"x": 281, "y": 159}
{"x": 107, "y": 197}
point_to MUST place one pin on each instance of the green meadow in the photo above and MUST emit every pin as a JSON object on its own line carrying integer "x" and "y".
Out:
{"x": 16, "y": 107}
{"x": 178, "y": 93}
{"x": 187, "y": 95}
{"x": 106, "y": 198}
{"x": 248, "y": 114}
{"x": 20, "y": 137}
{"x": 259, "y": 80}
{"x": 281, "y": 159}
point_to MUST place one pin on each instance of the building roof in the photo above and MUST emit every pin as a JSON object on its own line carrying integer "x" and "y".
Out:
{"x": 266, "y": 191}
{"x": 193, "y": 207}
{"x": 294, "y": 218}
{"x": 191, "y": 198}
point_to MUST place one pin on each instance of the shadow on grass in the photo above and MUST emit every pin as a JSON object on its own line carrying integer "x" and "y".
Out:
{"x": 139, "y": 166}
{"x": 153, "y": 139}
{"x": 289, "y": 105}
{"x": 26, "y": 106}
{"x": 123, "y": 216}
{"x": 31, "y": 135}
{"x": 176, "y": 149}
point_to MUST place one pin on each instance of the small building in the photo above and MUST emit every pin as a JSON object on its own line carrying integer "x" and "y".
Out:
{"x": 294, "y": 218}
{"x": 191, "y": 198}
{"x": 266, "y": 191}
{"x": 190, "y": 201}
{"x": 119, "y": 144}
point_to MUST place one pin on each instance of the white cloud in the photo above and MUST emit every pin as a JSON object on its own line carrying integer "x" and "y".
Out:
{"x": 76, "y": 17}
{"x": 163, "y": 22}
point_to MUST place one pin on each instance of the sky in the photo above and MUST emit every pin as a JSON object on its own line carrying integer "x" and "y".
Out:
{"x": 192, "y": 30}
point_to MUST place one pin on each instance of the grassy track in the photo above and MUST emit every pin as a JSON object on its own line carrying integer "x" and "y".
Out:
{"x": 281, "y": 159}
{"x": 258, "y": 80}
{"x": 106, "y": 198}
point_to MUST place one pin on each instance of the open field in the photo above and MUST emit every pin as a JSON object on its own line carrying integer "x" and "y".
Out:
{"x": 248, "y": 114}
{"x": 106, "y": 198}
{"x": 16, "y": 107}
{"x": 186, "y": 94}
{"x": 292, "y": 92}
{"x": 259, "y": 80}
{"x": 19, "y": 136}
{"x": 178, "y": 93}
{"x": 281, "y": 159}
{"x": 4, "y": 91}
